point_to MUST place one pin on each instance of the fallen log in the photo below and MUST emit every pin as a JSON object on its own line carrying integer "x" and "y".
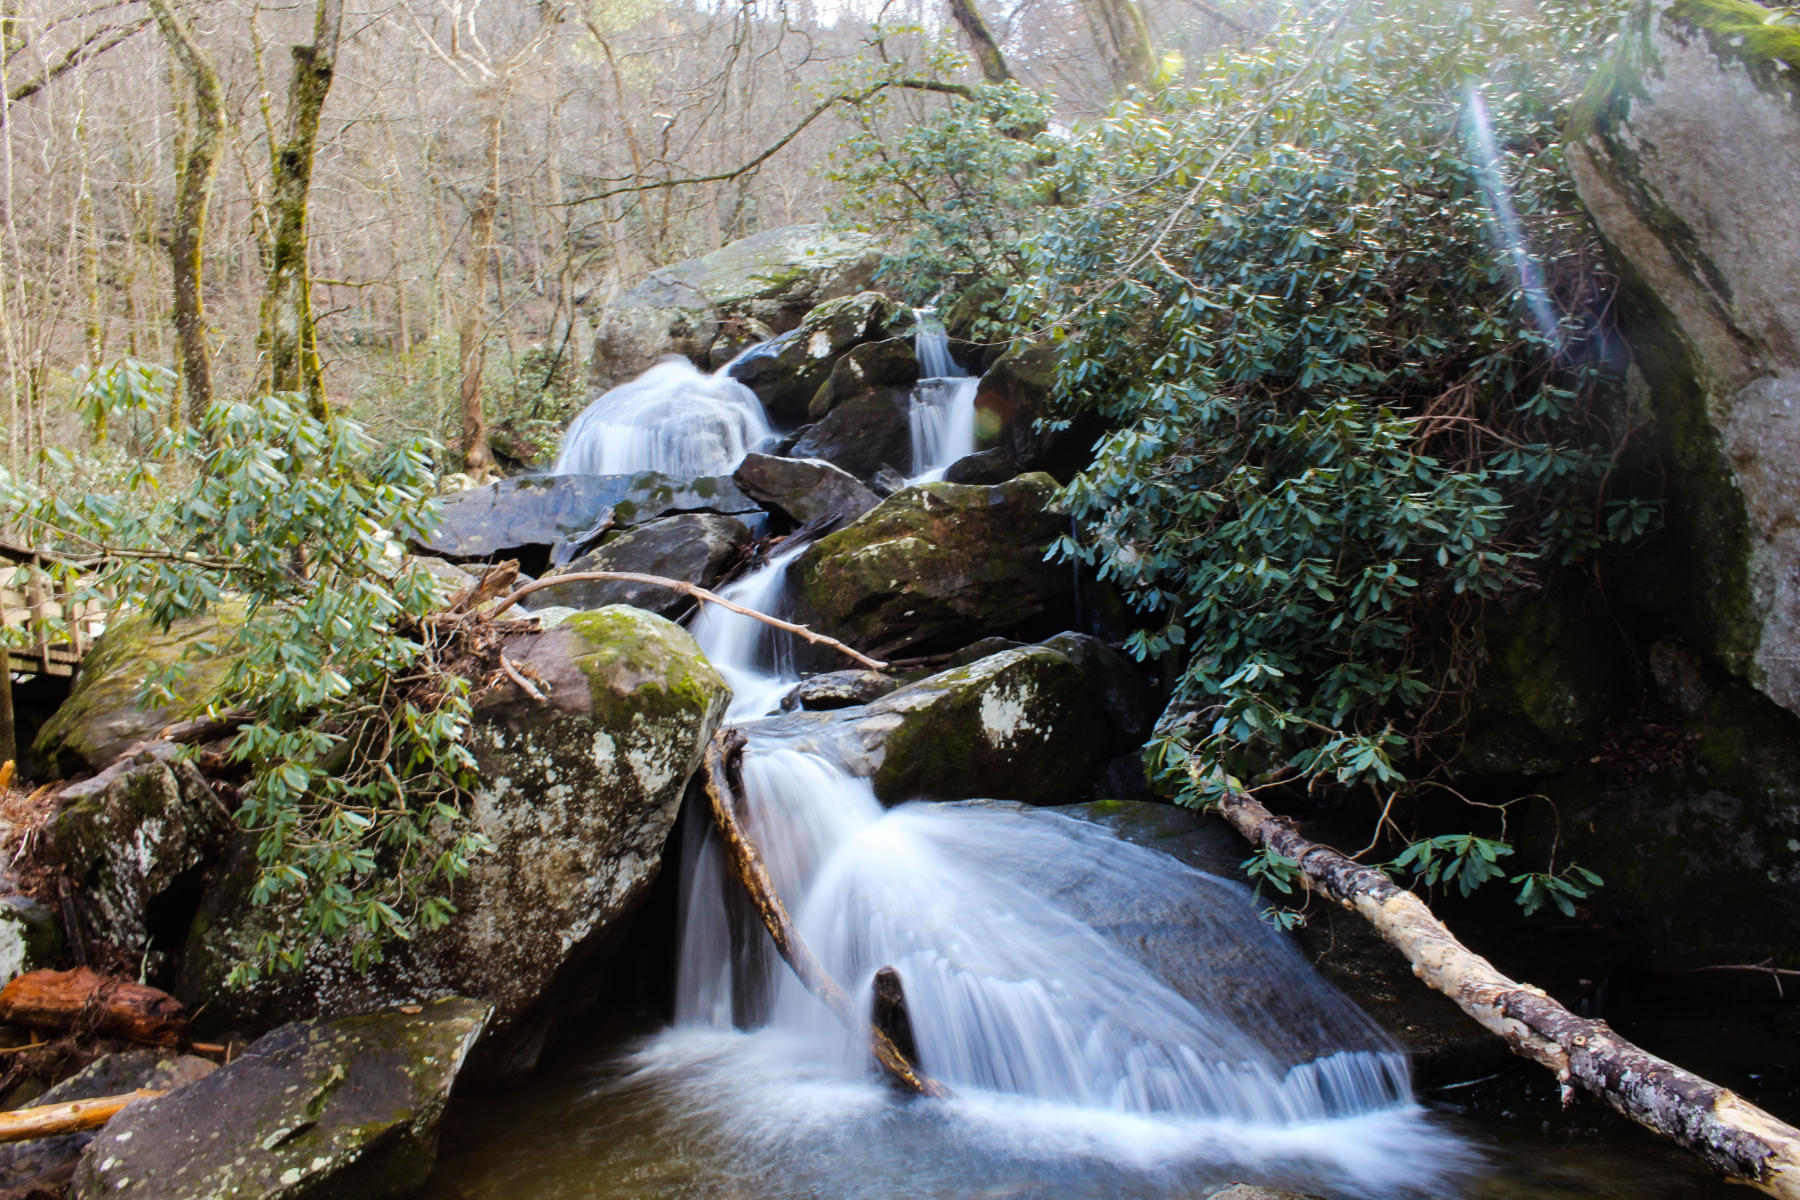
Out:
{"x": 888, "y": 1012}
{"x": 747, "y": 866}
{"x": 1733, "y": 1135}
{"x": 76, "y": 1116}
{"x": 86, "y": 1002}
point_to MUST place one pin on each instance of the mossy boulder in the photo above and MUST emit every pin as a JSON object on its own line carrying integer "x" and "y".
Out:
{"x": 770, "y": 278}
{"x": 577, "y": 795}
{"x": 936, "y": 566}
{"x": 105, "y": 714}
{"x": 1686, "y": 149}
{"x": 786, "y": 372}
{"x": 1034, "y": 724}
{"x": 345, "y": 1110}
{"x": 805, "y": 489}
{"x": 1013, "y": 395}
{"x": 866, "y": 433}
{"x": 30, "y": 937}
{"x": 694, "y": 548}
{"x": 887, "y": 363}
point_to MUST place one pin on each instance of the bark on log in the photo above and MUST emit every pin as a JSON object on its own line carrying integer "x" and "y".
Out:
{"x": 747, "y": 866}
{"x": 87, "y": 1002}
{"x": 1730, "y": 1133}
{"x": 77, "y": 1116}
{"x": 889, "y": 1014}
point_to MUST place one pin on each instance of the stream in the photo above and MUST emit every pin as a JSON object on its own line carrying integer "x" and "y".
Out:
{"x": 1085, "y": 1059}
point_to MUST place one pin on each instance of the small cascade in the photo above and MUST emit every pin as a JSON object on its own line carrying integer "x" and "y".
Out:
{"x": 673, "y": 418}
{"x": 942, "y": 415}
{"x": 755, "y": 659}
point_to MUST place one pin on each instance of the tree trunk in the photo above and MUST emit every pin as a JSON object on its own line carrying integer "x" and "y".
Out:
{"x": 1727, "y": 1131}
{"x": 193, "y": 194}
{"x": 290, "y": 343}
{"x": 478, "y": 457}
{"x": 981, "y": 41}
{"x": 88, "y": 1003}
{"x": 1125, "y": 41}
{"x": 75, "y": 1116}
{"x": 9, "y": 732}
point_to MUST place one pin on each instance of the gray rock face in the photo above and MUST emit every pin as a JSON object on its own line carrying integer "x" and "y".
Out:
{"x": 30, "y": 937}
{"x": 577, "y": 796}
{"x": 838, "y": 689}
{"x": 693, "y": 547}
{"x": 770, "y": 278}
{"x": 1686, "y": 152}
{"x": 48, "y": 1163}
{"x": 1031, "y": 724}
{"x": 863, "y": 434}
{"x": 787, "y": 371}
{"x": 1014, "y": 394}
{"x": 935, "y": 566}
{"x": 344, "y": 1109}
{"x": 129, "y": 835}
{"x": 984, "y": 466}
{"x": 887, "y": 363}
{"x": 806, "y": 489}
{"x": 541, "y": 512}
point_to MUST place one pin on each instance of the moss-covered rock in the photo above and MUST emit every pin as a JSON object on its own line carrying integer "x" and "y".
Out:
{"x": 936, "y": 566}
{"x": 577, "y": 796}
{"x": 771, "y": 278}
{"x": 30, "y": 937}
{"x": 345, "y": 1109}
{"x": 887, "y": 363}
{"x": 692, "y": 547}
{"x": 787, "y": 372}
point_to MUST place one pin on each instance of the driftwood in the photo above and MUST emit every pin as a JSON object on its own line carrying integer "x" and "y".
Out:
{"x": 747, "y": 866}
{"x": 888, "y": 1012}
{"x": 86, "y": 1002}
{"x": 76, "y": 1116}
{"x": 1730, "y": 1133}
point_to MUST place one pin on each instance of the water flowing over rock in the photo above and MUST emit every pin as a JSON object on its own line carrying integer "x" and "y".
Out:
{"x": 1687, "y": 151}
{"x": 694, "y": 547}
{"x": 788, "y": 371}
{"x": 346, "y": 1108}
{"x": 806, "y": 489}
{"x": 577, "y": 796}
{"x": 673, "y": 418}
{"x": 935, "y": 566}
{"x": 534, "y": 515}
{"x": 772, "y": 278}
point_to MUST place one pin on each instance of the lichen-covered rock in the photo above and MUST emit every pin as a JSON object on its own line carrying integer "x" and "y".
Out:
{"x": 1031, "y": 724}
{"x": 887, "y": 363}
{"x": 786, "y": 372}
{"x": 936, "y": 566}
{"x": 104, "y": 715}
{"x": 838, "y": 689}
{"x": 345, "y": 1109}
{"x": 806, "y": 489}
{"x": 536, "y": 514}
{"x": 864, "y": 434}
{"x": 30, "y": 937}
{"x": 771, "y": 278}
{"x": 1686, "y": 151}
{"x": 577, "y": 796}
{"x": 47, "y": 1163}
{"x": 131, "y": 836}
{"x": 692, "y": 547}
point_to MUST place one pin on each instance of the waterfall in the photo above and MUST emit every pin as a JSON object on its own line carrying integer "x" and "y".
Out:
{"x": 755, "y": 659}
{"x": 942, "y": 412}
{"x": 673, "y": 418}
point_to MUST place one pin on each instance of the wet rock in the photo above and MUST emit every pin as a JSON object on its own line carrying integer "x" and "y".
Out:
{"x": 935, "y": 566}
{"x": 770, "y": 278}
{"x": 1682, "y": 151}
{"x": 838, "y": 689}
{"x": 1246, "y": 1191}
{"x": 577, "y": 796}
{"x": 133, "y": 837}
{"x": 347, "y": 1109}
{"x": 984, "y": 466}
{"x": 886, "y": 482}
{"x": 806, "y": 489}
{"x": 864, "y": 434}
{"x": 1014, "y": 393}
{"x": 788, "y": 371}
{"x": 736, "y": 335}
{"x": 30, "y": 937}
{"x": 694, "y": 547}
{"x": 887, "y": 363}
{"x": 533, "y": 515}
{"x": 1030, "y": 724}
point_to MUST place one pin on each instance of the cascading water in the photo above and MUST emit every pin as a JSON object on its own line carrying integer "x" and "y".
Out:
{"x": 942, "y": 414}
{"x": 755, "y": 659}
{"x": 673, "y": 418}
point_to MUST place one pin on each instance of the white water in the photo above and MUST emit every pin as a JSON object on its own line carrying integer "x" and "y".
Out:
{"x": 942, "y": 415}
{"x": 673, "y": 418}
{"x": 755, "y": 659}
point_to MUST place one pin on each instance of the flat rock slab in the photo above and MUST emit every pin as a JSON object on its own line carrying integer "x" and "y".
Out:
{"x": 317, "y": 1110}
{"x": 806, "y": 489}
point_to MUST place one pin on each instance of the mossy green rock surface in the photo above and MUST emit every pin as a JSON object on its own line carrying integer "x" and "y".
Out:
{"x": 1686, "y": 150}
{"x": 330, "y": 1110}
{"x": 30, "y": 937}
{"x": 937, "y": 566}
{"x": 787, "y": 372}
{"x": 577, "y": 795}
{"x": 886, "y": 363}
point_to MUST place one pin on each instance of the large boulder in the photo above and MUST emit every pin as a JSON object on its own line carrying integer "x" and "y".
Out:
{"x": 936, "y": 566}
{"x": 1036, "y": 724}
{"x": 787, "y": 371}
{"x": 577, "y": 795}
{"x": 346, "y": 1109}
{"x": 1014, "y": 395}
{"x": 769, "y": 280}
{"x": 534, "y": 516}
{"x": 1686, "y": 151}
{"x": 695, "y": 548}
{"x": 864, "y": 434}
{"x": 806, "y": 489}
{"x": 887, "y": 363}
